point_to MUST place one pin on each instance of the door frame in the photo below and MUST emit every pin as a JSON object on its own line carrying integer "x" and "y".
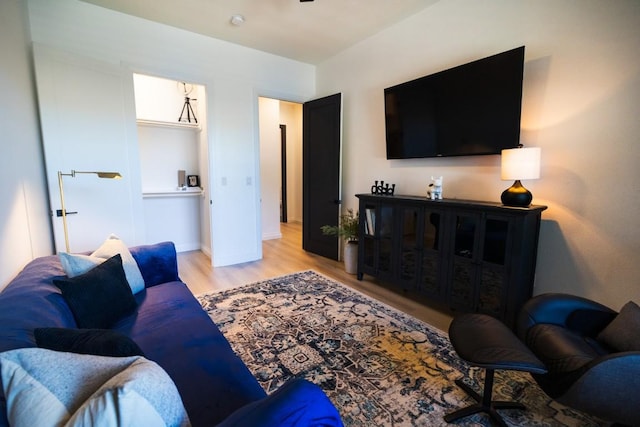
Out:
{"x": 283, "y": 173}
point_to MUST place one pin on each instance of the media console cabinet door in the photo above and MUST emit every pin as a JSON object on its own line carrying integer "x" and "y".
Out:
{"x": 87, "y": 114}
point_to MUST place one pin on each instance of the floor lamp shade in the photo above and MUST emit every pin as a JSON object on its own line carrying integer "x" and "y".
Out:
{"x": 63, "y": 209}
{"x": 519, "y": 164}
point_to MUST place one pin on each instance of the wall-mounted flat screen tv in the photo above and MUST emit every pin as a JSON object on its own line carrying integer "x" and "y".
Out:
{"x": 471, "y": 109}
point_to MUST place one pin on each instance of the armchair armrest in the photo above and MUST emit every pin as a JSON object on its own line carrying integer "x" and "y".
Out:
{"x": 158, "y": 263}
{"x": 616, "y": 376}
{"x": 573, "y": 312}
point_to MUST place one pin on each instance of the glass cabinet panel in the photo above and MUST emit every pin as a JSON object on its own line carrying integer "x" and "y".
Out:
{"x": 461, "y": 291}
{"x": 490, "y": 293}
{"x": 369, "y": 253}
{"x": 367, "y": 240}
{"x": 495, "y": 241}
{"x": 409, "y": 244}
{"x": 465, "y": 235}
{"x": 431, "y": 258}
{"x": 491, "y": 289}
{"x": 431, "y": 235}
{"x": 384, "y": 224}
{"x": 384, "y": 228}
{"x": 463, "y": 271}
{"x": 384, "y": 256}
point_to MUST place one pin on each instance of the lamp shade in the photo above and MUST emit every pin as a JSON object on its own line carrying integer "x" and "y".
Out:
{"x": 520, "y": 163}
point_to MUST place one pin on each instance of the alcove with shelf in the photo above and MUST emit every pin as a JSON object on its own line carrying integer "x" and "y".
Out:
{"x": 471, "y": 256}
{"x": 166, "y": 146}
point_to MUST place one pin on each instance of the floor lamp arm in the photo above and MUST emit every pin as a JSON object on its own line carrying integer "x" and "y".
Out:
{"x": 64, "y": 211}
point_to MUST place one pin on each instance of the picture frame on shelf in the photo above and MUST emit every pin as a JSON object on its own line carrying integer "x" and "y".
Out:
{"x": 193, "y": 181}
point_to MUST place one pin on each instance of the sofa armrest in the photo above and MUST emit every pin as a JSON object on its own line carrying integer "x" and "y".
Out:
{"x": 571, "y": 311}
{"x": 298, "y": 403}
{"x": 158, "y": 263}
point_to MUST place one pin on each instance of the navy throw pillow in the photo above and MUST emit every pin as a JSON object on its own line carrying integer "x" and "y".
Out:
{"x": 98, "y": 342}
{"x": 100, "y": 297}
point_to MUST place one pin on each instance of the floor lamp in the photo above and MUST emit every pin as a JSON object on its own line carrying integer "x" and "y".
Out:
{"x": 63, "y": 211}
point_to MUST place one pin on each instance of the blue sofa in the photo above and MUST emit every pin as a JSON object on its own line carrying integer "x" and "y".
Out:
{"x": 172, "y": 330}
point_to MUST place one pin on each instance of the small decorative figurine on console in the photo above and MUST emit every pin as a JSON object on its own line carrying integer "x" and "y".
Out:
{"x": 382, "y": 189}
{"x": 435, "y": 192}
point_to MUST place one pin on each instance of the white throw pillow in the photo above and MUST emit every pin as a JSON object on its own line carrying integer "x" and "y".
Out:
{"x": 44, "y": 387}
{"x": 74, "y": 265}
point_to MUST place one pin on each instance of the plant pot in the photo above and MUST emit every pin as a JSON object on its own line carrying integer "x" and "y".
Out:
{"x": 350, "y": 257}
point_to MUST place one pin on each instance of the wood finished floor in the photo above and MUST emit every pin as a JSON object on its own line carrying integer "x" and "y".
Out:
{"x": 285, "y": 256}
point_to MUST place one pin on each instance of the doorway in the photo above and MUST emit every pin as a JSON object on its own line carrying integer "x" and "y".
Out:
{"x": 311, "y": 189}
{"x": 280, "y": 124}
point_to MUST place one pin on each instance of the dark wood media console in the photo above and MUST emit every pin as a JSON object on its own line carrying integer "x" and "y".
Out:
{"x": 472, "y": 256}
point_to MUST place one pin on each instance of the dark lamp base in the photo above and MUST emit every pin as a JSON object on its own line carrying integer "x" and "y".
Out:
{"x": 516, "y": 195}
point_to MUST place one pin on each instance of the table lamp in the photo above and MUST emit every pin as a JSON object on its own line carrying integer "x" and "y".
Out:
{"x": 519, "y": 164}
{"x": 63, "y": 212}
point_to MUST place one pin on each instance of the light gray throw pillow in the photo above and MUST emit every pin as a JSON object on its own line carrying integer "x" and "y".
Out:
{"x": 74, "y": 265}
{"x": 44, "y": 387}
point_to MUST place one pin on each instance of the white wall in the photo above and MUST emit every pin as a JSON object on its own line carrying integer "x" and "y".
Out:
{"x": 581, "y": 92}
{"x": 164, "y": 151}
{"x": 231, "y": 74}
{"x": 25, "y": 230}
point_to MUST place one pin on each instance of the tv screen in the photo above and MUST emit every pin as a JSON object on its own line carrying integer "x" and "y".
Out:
{"x": 471, "y": 109}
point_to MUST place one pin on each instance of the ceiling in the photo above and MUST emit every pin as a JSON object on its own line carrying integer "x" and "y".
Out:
{"x": 309, "y": 31}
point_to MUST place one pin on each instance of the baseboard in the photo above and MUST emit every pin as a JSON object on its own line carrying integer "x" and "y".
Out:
{"x": 271, "y": 236}
{"x": 222, "y": 262}
{"x": 186, "y": 247}
{"x": 206, "y": 250}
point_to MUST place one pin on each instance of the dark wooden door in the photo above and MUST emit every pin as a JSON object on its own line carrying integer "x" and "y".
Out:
{"x": 321, "y": 138}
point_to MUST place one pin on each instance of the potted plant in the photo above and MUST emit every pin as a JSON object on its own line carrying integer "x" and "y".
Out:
{"x": 347, "y": 228}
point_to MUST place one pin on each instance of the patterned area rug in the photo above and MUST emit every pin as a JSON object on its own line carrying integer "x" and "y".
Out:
{"x": 379, "y": 366}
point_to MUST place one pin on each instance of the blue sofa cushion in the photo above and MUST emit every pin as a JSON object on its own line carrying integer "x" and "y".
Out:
{"x": 101, "y": 296}
{"x": 158, "y": 263}
{"x": 174, "y": 331}
{"x": 30, "y": 301}
{"x": 298, "y": 403}
{"x": 99, "y": 342}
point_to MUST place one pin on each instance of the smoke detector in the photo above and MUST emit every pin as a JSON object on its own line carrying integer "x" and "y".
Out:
{"x": 237, "y": 20}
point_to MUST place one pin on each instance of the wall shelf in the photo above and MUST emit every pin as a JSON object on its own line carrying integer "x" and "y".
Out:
{"x": 175, "y": 125}
{"x": 189, "y": 192}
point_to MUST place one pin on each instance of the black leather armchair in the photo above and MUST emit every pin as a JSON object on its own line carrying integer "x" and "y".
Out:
{"x": 583, "y": 371}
